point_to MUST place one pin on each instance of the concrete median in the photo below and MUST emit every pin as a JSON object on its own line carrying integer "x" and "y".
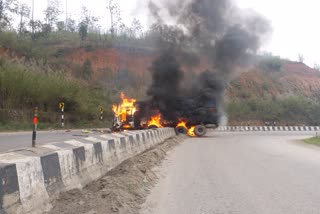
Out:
{"x": 30, "y": 178}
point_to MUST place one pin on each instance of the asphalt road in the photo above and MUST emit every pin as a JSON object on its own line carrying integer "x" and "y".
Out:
{"x": 16, "y": 140}
{"x": 239, "y": 173}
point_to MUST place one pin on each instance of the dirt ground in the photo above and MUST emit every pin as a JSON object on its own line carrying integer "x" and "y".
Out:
{"x": 122, "y": 190}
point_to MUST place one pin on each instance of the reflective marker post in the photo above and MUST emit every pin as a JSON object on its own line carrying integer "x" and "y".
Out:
{"x": 61, "y": 106}
{"x": 101, "y": 113}
{"x": 35, "y": 123}
{"x": 62, "y": 117}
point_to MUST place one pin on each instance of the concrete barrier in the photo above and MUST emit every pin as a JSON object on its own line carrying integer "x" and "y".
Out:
{"x": 267, "y": 128}
{"x": 31, "y": 177}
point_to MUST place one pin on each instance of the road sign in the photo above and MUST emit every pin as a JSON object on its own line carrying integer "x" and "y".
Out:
{"x": 61, "y": 105}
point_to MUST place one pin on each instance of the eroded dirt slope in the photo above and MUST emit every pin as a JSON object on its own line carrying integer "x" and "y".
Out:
{"x": 294, "y": 78}
{"x": 122, "y": 190}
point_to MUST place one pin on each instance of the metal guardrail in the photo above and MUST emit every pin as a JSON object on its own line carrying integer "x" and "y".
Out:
{"x": 268, "y": 128}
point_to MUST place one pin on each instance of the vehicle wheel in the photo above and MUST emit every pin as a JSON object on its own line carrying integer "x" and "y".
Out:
{"x": 152, "y": 127}
{"x": 200, "y": 130}
{"x": 181, "y": 130}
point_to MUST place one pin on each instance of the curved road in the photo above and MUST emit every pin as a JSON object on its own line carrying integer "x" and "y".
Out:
{"x": 17, "y": 140}
{"x": 239, "y": 173}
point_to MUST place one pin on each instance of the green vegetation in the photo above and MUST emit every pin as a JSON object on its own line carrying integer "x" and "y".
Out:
{"x": 24, "y": 86}
{"x": 36, "y": 73}
{"x": 86, "y": 70}
{"x": 314, "y": 141}
{"x": 289, "y": 110}
{"x": 270, "y": 63}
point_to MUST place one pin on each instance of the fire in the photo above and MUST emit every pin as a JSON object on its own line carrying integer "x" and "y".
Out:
{"x": 182, "y": 123}
{"x": 155, "y": 121}
{"x": 126, "y": 107}
{"x": 190, "y": 130}
{"x": 126, "y": 126}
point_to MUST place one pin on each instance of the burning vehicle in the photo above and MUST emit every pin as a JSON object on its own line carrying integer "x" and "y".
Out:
{"x": 133, "y": 115}
{"x": 200, "y": 45}
{"x": 124, "y": 115}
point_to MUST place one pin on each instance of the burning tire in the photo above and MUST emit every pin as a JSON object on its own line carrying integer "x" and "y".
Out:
{"x": 152, "y": 127}
{"x": 181, "y": 130}
{"x": 200, "y": 130}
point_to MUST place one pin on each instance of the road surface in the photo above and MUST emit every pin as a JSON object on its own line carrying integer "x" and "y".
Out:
{"x": 16, "y": 140}
{"x": 239, "y": 173}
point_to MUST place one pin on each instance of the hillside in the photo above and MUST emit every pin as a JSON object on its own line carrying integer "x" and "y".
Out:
{"x": 293, "y": 90}
{"x": 248, "y": 97}
{"x": 293, "y": 79}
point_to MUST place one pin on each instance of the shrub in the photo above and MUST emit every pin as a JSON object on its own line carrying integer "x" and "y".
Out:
{"x": 86, "y": 70}
{"x": 298, "y": 110}
{"x": 270, "y": 63}
{"x": 23, "y": 87}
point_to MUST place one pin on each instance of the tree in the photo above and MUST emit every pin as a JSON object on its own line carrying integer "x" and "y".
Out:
{"x": 60, "y": 25}
{"x": 270, "y": 63}
{"x": 36, "y": 26}
{"x": 7, "y": 8}
{"x": 300, "y": 58}
{"x": 71, "y": 25}
{"x": 115, "y": 15}
{"x": 136, "y": 28}
{"x": 40, "y": 29}
{"x": 88, "y": 19}
{"x": 83, "y": 30}
{"x": 52, "y": 12}
{"x": 46, "y": 29}
{"x": 24, "y": 12}
{"x": 86, "y": 69}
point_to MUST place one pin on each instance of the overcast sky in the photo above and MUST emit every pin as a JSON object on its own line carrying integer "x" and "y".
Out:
{"x": 295, "y": 22}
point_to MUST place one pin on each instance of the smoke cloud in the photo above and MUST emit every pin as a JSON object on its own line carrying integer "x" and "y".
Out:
{"x": 188, "y": 30}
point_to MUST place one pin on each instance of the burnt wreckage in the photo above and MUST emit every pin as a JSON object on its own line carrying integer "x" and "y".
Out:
{"x": 213, "y": 36}
{"x": 133, "y": 115}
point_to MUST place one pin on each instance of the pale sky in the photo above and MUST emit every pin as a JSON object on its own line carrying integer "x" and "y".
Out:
{"x": 295, "y": 23}
{"x": 295, "y": 27}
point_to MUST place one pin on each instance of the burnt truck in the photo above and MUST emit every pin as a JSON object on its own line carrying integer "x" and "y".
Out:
{"x": 145, "y": 115}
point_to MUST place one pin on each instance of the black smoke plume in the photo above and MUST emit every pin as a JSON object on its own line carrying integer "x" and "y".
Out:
{"x": 192, "y": 29}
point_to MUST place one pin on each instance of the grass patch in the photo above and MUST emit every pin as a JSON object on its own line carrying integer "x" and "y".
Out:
{"x": 24, "y": 86}
{"x": 290, "y": 110}
{"x": 313, "y": 140}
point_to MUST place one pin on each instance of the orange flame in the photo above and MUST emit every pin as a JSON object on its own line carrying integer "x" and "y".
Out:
{"x": 155, "y": 121}
{"x": 127, "y": 106}
{"x": 190, "y": 130}
{"x": 182, "y": 123}
{"x": 126, "y": 126}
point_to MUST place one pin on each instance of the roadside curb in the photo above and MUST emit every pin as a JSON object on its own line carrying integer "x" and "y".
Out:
{"x": 31, "y": 178}
{"x": 268, "y": 128}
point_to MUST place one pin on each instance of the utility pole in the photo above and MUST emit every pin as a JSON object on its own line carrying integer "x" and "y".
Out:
{"x": 32, "y": 36}
{"x": 66, "y": 24}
